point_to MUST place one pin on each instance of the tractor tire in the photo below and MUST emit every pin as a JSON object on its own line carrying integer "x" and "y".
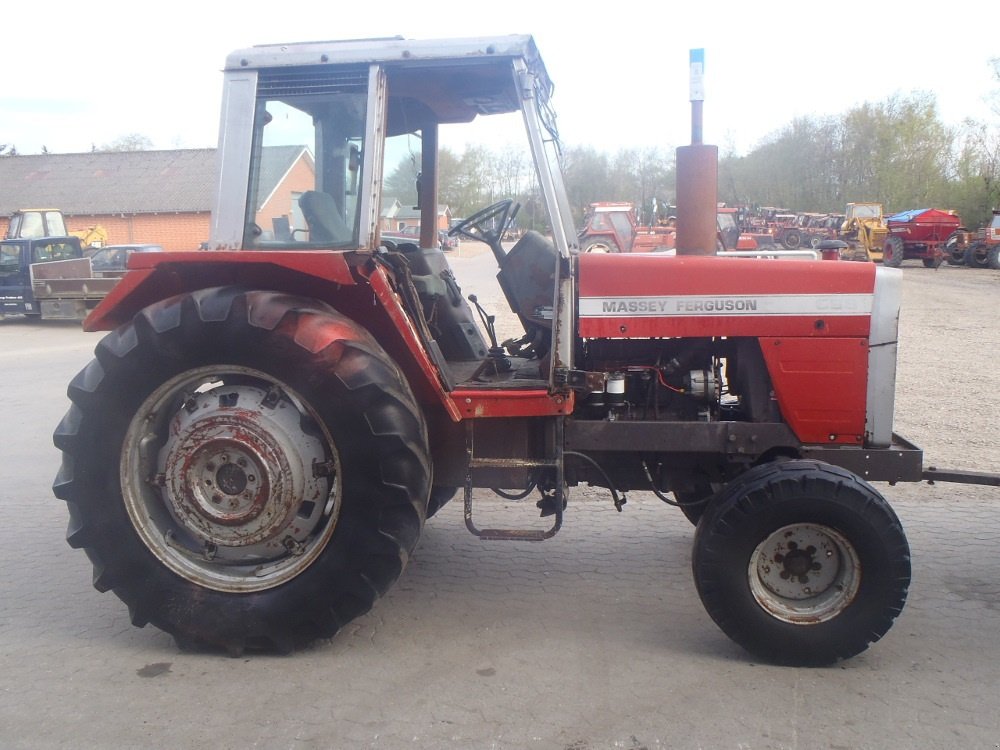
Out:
{"x": 600, "y": 245}
{"x": 791, "y": 239}
{"x": 977, "y": 255}
{"x": 815, "y": 240}
{"x": 954, "y": 254}
{"x": 801, "y": 563}
{"x": 892, "y": 252}
{"x": 993, "y": 258}
{"x": 245, "y": 469}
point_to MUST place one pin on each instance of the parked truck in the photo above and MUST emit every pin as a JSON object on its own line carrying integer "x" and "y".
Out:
{"x": 48, "y": 278}
{"x": 34, "y": 223}
{"x": 251, "y": 456}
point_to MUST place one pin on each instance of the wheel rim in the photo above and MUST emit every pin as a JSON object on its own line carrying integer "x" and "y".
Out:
{"x": 804, "y": 574}
{"x": 230, "y": 479}
{"x": 599, "y": 247}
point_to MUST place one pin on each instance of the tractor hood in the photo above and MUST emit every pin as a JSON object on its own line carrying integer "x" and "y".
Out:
{"x": 642, "y": 296}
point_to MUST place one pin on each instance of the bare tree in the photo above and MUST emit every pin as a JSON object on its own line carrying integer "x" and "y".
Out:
{"x": 130, "y": 142}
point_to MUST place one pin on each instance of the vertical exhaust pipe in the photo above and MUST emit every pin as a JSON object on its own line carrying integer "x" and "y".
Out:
{"x": 697, "y": 177}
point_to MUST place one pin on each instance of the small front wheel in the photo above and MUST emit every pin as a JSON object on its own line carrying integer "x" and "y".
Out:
{"x": 954, "y": 249}
{"x": 600, "y": 245}
{"x": 977, "y": 255}
{"x": 801, "y": 563}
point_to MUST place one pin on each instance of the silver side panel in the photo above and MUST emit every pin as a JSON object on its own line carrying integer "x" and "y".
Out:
{"x": 882, "y": 356}
{"x": 235, "y": 136}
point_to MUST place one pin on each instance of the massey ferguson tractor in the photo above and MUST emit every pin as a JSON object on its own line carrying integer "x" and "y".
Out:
{"x": 250, "y": 458}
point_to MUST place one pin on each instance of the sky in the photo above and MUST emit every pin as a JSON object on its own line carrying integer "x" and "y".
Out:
{"x": 93, "y": 72}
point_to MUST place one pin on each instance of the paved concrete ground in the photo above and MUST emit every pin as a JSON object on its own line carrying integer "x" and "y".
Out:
{"x": 595, "y": 639}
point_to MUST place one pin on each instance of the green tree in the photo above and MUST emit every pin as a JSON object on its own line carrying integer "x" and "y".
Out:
{"x": 898, "y": 151}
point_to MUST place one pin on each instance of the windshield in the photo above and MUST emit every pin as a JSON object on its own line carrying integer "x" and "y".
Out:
{"x": 10, "y": 258}
{"x": 47, "y": 251}
{"x": 867, "y": 212}
{"x": 307, "y": 158}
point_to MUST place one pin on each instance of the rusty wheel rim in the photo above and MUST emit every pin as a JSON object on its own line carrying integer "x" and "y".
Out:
{"x": 230, "y": 479}
{"x": 804, "y": 573}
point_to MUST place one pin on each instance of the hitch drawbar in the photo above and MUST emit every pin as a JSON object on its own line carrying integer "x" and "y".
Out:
{"x": 932, "y": 475}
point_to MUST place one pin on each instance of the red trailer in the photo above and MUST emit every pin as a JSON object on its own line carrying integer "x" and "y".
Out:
{"x": 919, "y": 234}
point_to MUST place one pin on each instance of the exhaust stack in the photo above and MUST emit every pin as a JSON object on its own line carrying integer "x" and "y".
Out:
{"x": 697, "y": 177}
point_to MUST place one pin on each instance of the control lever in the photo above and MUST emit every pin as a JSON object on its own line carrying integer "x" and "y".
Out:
{"x": 497, "y": 356}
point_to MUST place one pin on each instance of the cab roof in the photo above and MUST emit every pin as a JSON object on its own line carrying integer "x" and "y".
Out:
{"x": 457, "y": 79}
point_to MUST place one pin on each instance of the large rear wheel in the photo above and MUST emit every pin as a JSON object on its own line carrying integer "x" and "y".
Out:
{"x": 892, "y": 252}
{"x": 244, "y": 469}
{"x": 801, "y": 563}
{"x": 792, "y": 239}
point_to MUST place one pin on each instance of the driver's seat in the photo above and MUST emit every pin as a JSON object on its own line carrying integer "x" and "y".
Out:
{"x": 323, "y": 218}
{"x": 528, "y": 277}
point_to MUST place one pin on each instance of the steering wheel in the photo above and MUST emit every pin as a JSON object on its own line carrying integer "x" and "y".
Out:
{"x": 482, "y": 225}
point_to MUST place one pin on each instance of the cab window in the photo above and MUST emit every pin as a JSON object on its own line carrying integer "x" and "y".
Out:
{"x": 306, "y": 169}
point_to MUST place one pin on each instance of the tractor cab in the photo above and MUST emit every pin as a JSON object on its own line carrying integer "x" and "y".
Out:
{"x": 320, "y": 157}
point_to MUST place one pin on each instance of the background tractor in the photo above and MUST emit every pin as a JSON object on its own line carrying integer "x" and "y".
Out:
{"x": 251, "y": 456}
{"x": 983, "y": 247}
{"x": 614, "y": 228}
{"x": 864, "y": 231}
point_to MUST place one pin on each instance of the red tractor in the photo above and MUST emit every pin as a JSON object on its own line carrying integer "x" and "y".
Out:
{"x": 250, "y": 458}
{"x": 920, "y": 234}
{"x": 982, "y": 248}
{"x": 614, "y": 228}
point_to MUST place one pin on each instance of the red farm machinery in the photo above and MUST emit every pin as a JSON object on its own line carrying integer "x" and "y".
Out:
{"x": 976, "y": 249}
{"x": 610, "y": 227}
{"x": 919, "y": 234}
{"x": 251, "y": 456}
